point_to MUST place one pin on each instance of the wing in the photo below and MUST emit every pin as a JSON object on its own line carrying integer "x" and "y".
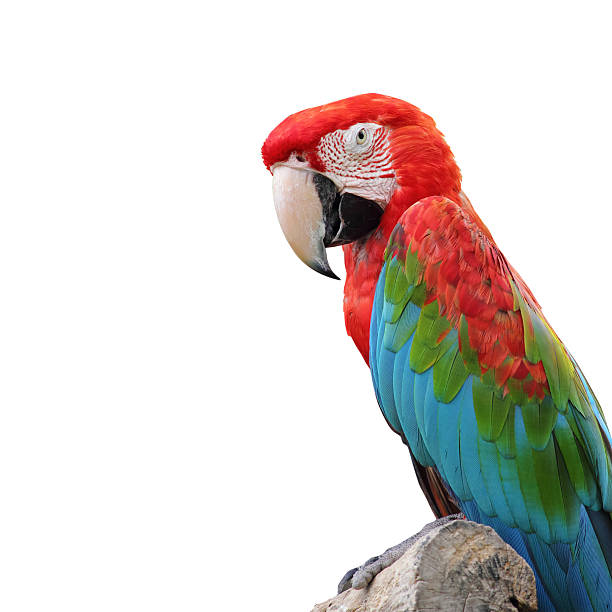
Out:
{"x": 469, "y": 372}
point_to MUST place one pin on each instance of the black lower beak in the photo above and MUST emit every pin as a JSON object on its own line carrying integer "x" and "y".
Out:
{"x": 347, "y": 217}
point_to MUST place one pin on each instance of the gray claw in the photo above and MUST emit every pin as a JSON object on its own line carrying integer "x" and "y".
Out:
{"x": 347, "y": 580}
{"x": 360, "y": 577}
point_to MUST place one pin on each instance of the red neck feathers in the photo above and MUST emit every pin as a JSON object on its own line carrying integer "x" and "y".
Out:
{"x": 424, "y": 166}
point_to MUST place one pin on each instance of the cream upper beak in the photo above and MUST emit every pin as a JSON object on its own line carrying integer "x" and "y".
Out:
{"x": 301, "y": 215}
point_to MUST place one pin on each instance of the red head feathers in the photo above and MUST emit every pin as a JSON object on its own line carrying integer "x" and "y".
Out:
{"x": 371, "y": 147}
{"x": 418, "y": 148}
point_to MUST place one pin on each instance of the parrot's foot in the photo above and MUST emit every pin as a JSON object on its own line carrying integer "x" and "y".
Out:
{"x": 360, "y": 577}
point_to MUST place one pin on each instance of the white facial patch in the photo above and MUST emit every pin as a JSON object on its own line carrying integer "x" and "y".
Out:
{"x": 358, "y": 160}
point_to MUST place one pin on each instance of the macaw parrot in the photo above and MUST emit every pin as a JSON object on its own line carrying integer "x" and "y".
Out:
{"x": 500, "y": 422}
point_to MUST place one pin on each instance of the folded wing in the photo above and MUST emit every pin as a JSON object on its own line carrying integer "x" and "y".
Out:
{"x": 468, "y": 371}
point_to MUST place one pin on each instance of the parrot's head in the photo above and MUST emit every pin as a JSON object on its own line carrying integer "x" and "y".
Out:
{"x": 343, "y": 170}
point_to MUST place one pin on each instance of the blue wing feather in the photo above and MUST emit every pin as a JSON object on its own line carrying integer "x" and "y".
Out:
{"x": 448, "y": 432}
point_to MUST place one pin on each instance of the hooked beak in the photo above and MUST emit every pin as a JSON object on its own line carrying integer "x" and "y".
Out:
{"x": 314, "y": 215}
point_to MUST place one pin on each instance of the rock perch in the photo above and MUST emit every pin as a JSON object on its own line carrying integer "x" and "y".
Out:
{"x": 458, "y": 566}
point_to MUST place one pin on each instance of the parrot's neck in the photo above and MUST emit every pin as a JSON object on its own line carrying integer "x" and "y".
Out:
{"x": 363, "y": 260}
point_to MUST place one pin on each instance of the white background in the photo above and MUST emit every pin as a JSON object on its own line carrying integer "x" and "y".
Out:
{"x": 184, "y": 424}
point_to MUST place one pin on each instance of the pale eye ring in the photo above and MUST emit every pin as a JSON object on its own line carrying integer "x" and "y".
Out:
{"x": 361, "y": 137}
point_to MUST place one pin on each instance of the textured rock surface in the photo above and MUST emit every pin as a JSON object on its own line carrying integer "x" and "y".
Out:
{"x": 459, "y": 566}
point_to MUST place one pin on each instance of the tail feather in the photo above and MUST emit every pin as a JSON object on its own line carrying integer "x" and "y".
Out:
{"x": 590, "y": 559}
{"x": 602, "y": 526}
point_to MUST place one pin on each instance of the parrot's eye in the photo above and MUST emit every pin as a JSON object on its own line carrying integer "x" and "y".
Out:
{"x": 361, "y": 136}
